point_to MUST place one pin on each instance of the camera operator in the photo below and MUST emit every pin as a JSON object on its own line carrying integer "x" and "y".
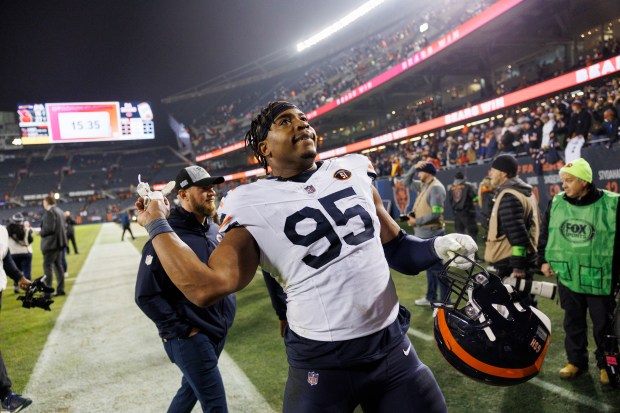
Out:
{"x": 427, "y": 221}
{"x": 10, "y": 401}
{"x": 585, "y": 221}
{"x": 513, "y": 225}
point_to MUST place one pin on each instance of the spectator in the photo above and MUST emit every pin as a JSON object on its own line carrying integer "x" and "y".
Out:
{"x": 462, "y": 197}
{"x": 580, "y": 220}
{"x": 20, "y": 246}
{"x": 548, "y": 124}
{"x": 610, "y": 126}
{"x": 509, "y": 137}
{"x": 10, "y": 401}
{"x": 193, "y": 336}
{"x": 579, "y": 126}
{"x": 427, "y": 220}
{"x": 486, "y": 193}
{"x": 126, "y": 224}
{"x": 559, "y": 134}
{"x": 53, "y": 243}
{"x": 513, "y": 225}
{"x": 70, "y": 223}
{"x": 489, "y": 147}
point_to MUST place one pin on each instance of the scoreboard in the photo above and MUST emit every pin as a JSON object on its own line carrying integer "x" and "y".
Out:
{"x": 43, "y": 123}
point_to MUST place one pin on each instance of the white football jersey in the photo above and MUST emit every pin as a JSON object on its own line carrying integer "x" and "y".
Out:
{"x": 320, "y": 240}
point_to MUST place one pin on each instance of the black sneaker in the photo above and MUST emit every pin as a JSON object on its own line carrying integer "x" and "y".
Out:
{"x": 15, "y": 402}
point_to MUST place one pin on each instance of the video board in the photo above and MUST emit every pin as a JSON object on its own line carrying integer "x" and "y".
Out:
{"x": 43, "y": 123}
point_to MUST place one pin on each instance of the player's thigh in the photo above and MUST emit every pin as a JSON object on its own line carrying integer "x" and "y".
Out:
{"x": 405, "y": 385}
{"x": 312, "y": 391}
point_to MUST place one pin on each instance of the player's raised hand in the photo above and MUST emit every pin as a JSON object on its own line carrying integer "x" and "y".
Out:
{"x": 157, "y": 208}
{"x": 448, "y": 246}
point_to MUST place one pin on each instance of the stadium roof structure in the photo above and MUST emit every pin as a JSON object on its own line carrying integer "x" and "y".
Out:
{"x": 285, "y": 60}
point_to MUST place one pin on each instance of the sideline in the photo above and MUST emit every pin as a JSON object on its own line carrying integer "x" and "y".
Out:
{"x": 579, "y": 398}
{"x": 104, "y": 355}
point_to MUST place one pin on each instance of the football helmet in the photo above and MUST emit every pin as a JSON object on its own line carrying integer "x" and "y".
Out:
{"x": 485, "y": 333}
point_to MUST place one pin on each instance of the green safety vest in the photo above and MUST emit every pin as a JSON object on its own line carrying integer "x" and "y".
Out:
{"x": 580, "y": 247}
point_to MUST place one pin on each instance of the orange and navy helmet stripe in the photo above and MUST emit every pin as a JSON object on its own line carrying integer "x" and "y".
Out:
{"x": 481, "y": 366}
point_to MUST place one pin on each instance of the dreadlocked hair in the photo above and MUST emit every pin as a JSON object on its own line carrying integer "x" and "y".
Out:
{"x": 259, "y": 128}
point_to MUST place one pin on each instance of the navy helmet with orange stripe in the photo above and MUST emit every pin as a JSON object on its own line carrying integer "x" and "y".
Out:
{"x": 484, "y": 332}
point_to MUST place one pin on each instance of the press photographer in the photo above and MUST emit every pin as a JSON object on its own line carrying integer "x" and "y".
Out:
{"x": 32, "y": 299}
{"x": 10, "y": 401}
{"x": 539, "y": 288}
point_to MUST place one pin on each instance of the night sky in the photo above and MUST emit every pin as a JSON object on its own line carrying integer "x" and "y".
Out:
{"x": 142, "y": 50}
{"x": 91, "y": 50}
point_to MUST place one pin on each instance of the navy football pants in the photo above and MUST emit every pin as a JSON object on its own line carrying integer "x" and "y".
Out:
{"x": 399, "y": 382}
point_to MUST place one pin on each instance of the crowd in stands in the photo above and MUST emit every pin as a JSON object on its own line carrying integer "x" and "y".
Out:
{"x": 93, "y": 186}
{"x": 431, "y": 107}
{"x": 329, "y": 79}
{"x": 544, "y": 130}
{"x": 512, "y": 79}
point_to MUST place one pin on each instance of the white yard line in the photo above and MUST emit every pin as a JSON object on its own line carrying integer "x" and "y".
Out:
{"x": 579, "y": 398}
{"x": 104, "y": 355}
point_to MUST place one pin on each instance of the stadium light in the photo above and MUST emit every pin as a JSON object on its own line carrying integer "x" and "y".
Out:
{"x": 339, "y": 25}
{"x": 423, "y": 27}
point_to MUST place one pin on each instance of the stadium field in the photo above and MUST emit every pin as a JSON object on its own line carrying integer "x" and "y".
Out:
{"x": 254, "y": 344}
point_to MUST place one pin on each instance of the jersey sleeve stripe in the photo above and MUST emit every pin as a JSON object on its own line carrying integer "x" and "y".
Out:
{"x": 226, "y": 221}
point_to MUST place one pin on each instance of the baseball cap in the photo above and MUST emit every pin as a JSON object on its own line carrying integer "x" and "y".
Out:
{"x": 579, "y": 168}
{"x": 195, "y": 176}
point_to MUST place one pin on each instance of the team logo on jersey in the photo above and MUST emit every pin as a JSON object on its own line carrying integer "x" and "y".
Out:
{"x": 342, "y": 174}
{"x": 310, "y": 189}
{"x": 313, "y": 378}
{"x": 148, "y": 260}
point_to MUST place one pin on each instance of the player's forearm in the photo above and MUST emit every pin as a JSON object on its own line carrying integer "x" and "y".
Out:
{"x": 409, "y": 255}
{"x": 193, "y": 278}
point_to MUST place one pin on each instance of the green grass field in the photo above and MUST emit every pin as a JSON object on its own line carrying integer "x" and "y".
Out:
{"x": 254, "y": 343}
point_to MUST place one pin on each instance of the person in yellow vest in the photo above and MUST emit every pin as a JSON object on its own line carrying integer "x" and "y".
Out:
{"x": 514, "y": 224}
{"x": 427, "y": 220}
{"x": 580, "y": 242}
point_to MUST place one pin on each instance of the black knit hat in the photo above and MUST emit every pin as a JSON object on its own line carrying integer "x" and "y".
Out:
{"x": 429, "y": 168}
{"x": 506, "y": 163}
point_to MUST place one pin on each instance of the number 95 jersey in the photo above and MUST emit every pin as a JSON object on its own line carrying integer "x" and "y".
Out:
{"x": 320, "y": 240}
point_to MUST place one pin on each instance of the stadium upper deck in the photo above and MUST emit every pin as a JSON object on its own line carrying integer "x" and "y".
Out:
{"x": 520, "y": 46}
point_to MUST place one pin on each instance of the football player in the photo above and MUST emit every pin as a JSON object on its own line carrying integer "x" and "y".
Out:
{"x": 321, "y": 230}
